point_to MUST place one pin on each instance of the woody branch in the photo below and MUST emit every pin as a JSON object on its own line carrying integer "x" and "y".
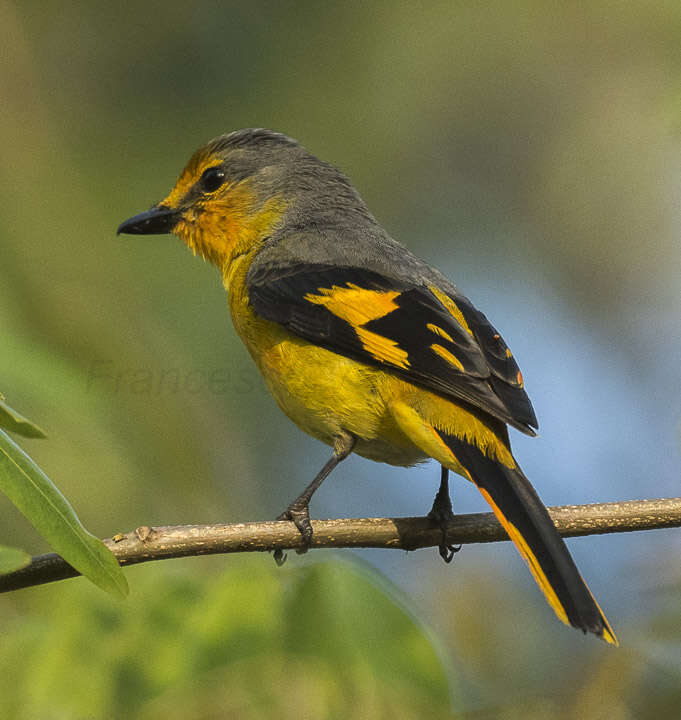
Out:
{"x": 159, "y": 543}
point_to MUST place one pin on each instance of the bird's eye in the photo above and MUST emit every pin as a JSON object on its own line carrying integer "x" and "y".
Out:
{"x": 212, "y": 179}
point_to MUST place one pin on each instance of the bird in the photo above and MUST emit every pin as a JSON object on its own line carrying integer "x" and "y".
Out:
{"x": 363, "y": 345}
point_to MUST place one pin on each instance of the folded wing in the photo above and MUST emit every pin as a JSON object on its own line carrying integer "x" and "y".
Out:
{"x": 432, "y": 337}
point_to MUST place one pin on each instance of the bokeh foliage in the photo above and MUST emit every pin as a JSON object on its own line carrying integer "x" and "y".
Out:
{"x": 251, "y": 643}
{"x": 530, "y": 150}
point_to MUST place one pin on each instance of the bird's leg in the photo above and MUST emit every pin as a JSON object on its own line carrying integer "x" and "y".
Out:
{"x": 442, "y": 513}
{"x": 299, "y": 510}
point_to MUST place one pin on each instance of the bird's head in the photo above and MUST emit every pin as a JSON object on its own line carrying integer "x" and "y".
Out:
{"x": 243, "y": 187}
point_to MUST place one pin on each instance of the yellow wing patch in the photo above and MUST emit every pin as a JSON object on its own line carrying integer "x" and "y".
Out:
{"x": 451, "y": 307}
{"x": 439, "y": 331}
{"x": 359, "y": 306}
{"x": 448, "y": 357}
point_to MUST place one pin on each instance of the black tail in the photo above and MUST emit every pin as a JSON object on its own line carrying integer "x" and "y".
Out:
{"x": 528, "y": 524}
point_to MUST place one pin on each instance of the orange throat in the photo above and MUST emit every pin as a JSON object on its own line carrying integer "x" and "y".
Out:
{"x": 225, "y": 227}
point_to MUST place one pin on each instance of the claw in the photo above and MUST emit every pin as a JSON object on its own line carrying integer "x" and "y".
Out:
{"x": 447, "y": 552}
{"x": 442, "y": 513}
{"x": 442, "y": 518}
{"x": 299, "y": 514}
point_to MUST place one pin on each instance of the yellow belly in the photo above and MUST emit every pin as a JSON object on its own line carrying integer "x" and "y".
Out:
{"x": 325, "y": 393}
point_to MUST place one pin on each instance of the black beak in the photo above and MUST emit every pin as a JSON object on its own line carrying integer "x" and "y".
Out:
{"x": 157, "y": 221}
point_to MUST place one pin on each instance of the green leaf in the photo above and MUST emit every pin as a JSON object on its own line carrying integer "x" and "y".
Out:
{"x": 12, "y": 559}
{"x": 43, "y": 505}
{"x": 12, "y": 421}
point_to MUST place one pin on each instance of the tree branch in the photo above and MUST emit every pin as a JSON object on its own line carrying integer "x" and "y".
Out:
{"x": 159, "y": 543}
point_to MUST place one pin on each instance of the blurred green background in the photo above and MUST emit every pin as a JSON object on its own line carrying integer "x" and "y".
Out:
{"x": 531, "y": 151}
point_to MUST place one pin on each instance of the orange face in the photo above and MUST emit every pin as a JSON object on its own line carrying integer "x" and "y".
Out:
{"x": 219, "y": 218}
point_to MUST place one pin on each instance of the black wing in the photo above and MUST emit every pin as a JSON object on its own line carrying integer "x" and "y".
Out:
{"x": 433, "y": 338}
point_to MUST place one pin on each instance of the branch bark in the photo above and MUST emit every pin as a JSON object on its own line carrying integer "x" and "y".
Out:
{"x": 410, "y": 533}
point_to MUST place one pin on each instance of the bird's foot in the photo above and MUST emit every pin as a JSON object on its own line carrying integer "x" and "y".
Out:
{"x": 441, "y": 514}
{"x": 299, "y": 514}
